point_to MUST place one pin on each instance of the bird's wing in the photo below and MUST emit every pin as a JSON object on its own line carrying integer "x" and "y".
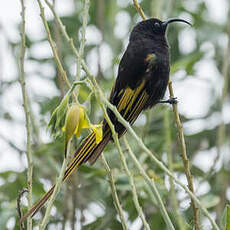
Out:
{"x": 129, "y": 93}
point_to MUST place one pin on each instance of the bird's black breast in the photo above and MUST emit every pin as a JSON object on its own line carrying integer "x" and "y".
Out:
{"x": 157, "y": 78}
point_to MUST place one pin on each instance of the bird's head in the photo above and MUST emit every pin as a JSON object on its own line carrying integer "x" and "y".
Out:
{"x": 153, "y": 28}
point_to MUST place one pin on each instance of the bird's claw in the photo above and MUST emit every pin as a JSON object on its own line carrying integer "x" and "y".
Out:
{"x": 171, "y": 101}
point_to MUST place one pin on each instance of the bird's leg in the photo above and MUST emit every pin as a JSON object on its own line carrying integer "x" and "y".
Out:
{"x": 171, "y": 100}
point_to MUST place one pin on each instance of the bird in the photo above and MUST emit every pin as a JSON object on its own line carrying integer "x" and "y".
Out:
{"x": 141, "y": 82}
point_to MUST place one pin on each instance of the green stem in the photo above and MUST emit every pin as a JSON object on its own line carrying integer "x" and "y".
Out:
{"x": 53, "y": 47}
{"x": 159, "y": 163}
{"x": 173, "y": 198}
{"x": 116, "y": 140}
{"x": 114, "y": 192}
{"x": 152, "y": 185}
{"x": 82, "y": 43}
{"x": 125, "y": 123}
{"x": 56, "y": 190}
{"x": 27, "y": 113}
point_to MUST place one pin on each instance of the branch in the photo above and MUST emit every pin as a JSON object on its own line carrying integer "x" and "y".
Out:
{"x": 20, "y": 194}
{"x": 168, "y": 144}
{"x": 101, "y": 100}
{"x": 131, "y": 180}
{"x": 125, "y": 123}
{"x": 134, "y": 191}
{"x": 56, "y": 190}
{"x": 27, "y": 113}
{"x": 114, "y": 192}
{"x": 139, "y": 9}
{"x": 53, "y": 47}
{"x": 184, "y": 157}
{"x": 152, "y": 185}
{"x": 159, "y": 163}
{"x": 82, "y": 44}
{"x": 181, "y": 137}
{"x": 70, "y": 41}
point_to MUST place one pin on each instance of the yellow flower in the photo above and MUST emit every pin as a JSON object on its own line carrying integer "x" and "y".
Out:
{"x": 76, "y": 120}
{"x": 97, "y": 129}
{"x": 71, "y": 122}
{"x": 83, "y": 122}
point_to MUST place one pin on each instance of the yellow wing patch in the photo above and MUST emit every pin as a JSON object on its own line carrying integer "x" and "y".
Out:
{"x": 138, "y": 107}
{"x": 150, "y": 57}
{"x": 128, "y": 98}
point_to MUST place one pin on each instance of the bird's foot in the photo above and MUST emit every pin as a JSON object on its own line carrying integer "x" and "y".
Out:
{"x": 171, "y": 101}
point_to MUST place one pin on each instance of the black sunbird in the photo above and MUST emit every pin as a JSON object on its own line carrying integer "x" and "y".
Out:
{"x": 141, "y": 83}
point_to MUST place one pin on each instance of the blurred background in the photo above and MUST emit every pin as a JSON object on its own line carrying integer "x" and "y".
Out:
{"x": 200, "y": 57}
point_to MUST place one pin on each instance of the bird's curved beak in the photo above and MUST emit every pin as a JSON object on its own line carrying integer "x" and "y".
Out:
{"x": 170, "y": 20}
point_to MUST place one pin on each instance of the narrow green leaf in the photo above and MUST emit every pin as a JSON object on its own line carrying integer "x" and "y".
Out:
{"x": 228, "y": 218}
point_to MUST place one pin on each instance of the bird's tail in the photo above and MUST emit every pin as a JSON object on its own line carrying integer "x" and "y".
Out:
{"x": 88, "y": 150}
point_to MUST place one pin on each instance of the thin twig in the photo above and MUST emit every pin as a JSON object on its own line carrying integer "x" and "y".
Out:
{"x": 139, "y": 9}
{"x": 151, "y": 195}
{"x": 53, "y": 47}
{"x": 27, "y": 113}
{"x": 168, "y": 146}
{"x": 152, "y": 185}
{"x": 116, "y": 140}
{"x": 34, "y": 125}
{"x": 184, "y": 157}
{"x": 59, "y": 46}
{"x": 181, "y": 137}
{"x": 56, "y": 190}
{"x": 134, "y": 192}
{"x": 20, "y": 194}
{"x": 114, "y": 192}
{"x": 69, "y": 40}
{"x": 82, "y": 44}
{"x": 159, "y": 163}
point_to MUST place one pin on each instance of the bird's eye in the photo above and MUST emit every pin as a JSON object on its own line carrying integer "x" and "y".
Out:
{"x": 157, "y": 25}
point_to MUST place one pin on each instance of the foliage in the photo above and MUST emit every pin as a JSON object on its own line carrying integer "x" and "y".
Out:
{"x": 85, "y": 201}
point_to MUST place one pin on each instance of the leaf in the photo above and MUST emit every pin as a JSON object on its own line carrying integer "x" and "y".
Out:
{"x": 228, "y": 218}
{"x": 210, "y": 200}
{"x": 57, "y": 117}
{"x": 62, "y": 109}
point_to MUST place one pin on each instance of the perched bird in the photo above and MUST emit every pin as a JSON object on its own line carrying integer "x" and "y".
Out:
{"x": 141, "y": 83}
